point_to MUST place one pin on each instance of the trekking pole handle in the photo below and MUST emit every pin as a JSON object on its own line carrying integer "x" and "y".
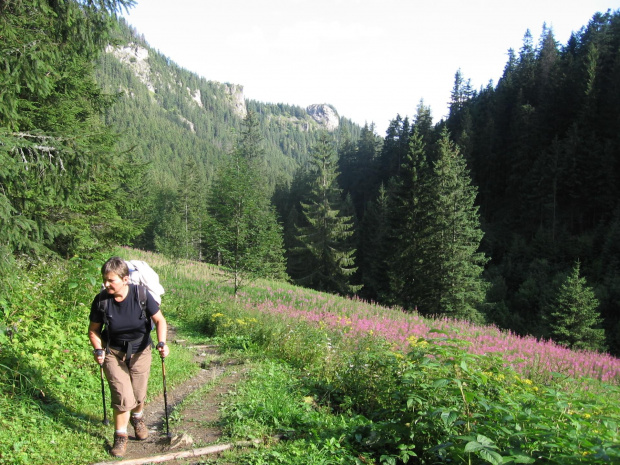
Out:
{"x": 98, "y": 353}
{"x": 161, "y": 347}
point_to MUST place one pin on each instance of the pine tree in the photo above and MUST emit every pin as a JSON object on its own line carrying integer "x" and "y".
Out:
{"x": 574, "y": 316}
{"x": 330, "y": 260}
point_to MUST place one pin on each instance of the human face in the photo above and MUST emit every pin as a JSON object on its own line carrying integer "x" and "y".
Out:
{"x": 114, "y": 284}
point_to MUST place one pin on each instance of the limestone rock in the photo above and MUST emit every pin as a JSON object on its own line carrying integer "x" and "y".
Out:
{"x": 325, "y": 115}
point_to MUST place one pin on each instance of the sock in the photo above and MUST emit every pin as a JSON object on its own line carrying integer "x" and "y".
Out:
{"x": 121, "y": 431}
{"x": 137, "y": 415}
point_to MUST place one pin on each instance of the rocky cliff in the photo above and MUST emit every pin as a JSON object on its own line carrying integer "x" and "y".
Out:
{"x": 324, "y": 114}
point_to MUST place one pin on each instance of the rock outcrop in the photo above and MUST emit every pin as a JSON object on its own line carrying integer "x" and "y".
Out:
{"x": 325, "y": 115}
{"x": 136, "y": 58}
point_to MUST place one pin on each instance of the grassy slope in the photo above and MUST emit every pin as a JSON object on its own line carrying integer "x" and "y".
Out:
{"x": 337, "y": 389}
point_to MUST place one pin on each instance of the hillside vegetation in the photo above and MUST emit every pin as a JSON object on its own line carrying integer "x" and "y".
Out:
{"x": 331, "y": 376}
{"x": 535, "y": 196}
{"x": 460, "y": 277}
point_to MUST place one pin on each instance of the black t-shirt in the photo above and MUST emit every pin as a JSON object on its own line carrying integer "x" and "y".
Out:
{"x": 125, "y": 320}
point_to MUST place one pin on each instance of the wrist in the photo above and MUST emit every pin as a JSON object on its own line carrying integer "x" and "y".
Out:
{"x": 98, "y": 352}
{"x": 161, "y": 344}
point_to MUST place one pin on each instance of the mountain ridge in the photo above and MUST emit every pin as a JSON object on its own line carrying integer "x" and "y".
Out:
{"x": 168, "y": 113}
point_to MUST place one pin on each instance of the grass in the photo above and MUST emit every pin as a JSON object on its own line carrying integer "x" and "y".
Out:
{"x": 333, "y": 380}
{"x": 50, "y": 388}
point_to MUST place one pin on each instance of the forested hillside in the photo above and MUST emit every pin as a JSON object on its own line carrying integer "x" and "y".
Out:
{"x": 507, "y": 212}
{"x": 542, "y": 149}
{"x": 178, "y": 122}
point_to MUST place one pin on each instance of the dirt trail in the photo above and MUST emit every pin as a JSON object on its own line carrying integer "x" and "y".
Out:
{"x": 198, "y": 419}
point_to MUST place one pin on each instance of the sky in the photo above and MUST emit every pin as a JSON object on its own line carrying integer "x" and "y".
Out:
{"x": 371, "y": 59}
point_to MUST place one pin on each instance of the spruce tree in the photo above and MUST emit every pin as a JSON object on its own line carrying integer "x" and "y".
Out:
{"x": 409, "y": 200}
{"x": 375, "y": 245}
{"x": 180, "y": 220}
{"x": 456, "y": 264}
{"x": 242, "y": 231}
{"x": 60, "y": 177}
{"x": 330, "y": 259}
{"x": 436, "y": 267}
{"x": 574, "y": 316}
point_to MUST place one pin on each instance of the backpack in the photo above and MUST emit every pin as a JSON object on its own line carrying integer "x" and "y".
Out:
{"x": 141, "y": 273}
{"x": 145, "y": 279}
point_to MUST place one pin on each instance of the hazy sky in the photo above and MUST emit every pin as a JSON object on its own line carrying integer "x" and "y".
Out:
{"x": 371, "y": 59}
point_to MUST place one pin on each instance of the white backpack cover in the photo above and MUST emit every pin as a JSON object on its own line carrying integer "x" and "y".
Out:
{"x": 141, "y": 273}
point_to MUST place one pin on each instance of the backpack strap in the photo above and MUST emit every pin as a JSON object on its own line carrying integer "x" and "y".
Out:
{"x": 142, "y": 296}
{"x": 142, "y": 299}
{"x": 102, "y": 305}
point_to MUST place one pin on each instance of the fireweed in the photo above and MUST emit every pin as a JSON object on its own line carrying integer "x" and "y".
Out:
{"x": 537, "y": 359}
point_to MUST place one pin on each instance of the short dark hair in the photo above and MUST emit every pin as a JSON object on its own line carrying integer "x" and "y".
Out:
{"x": 115, "y": 265}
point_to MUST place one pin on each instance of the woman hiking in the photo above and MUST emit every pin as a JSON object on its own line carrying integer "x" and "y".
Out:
{"x": 124, "y": 347}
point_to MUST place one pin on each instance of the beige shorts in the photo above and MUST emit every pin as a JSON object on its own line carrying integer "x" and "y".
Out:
{"x": 128, "y": 385}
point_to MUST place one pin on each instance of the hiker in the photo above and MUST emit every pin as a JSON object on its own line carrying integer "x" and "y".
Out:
{"x": 124, "y": 348}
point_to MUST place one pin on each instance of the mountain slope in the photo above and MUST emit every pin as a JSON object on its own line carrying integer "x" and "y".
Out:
{"x": 168, "y": 114}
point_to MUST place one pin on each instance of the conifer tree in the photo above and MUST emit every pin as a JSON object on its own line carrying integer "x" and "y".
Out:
{"x": 573, "y": 315}
{"x": 60, "y": 178}
{"x": 169, "y": 237}
{"x": 437, "y": 267}
{"x": 395, "y": 147}
{"x": 242, "y": 230}
{"x": 375, "y": 245}
{"x": 410, "y": 283}
{"x": 180, "y": 224}
{"x": 423, "y": 121}
{"x": 456, "y": 265}
{"x": 330, "y": 260}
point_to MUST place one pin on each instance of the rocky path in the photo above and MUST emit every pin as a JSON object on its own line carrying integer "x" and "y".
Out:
{"x": 193, "y": 424}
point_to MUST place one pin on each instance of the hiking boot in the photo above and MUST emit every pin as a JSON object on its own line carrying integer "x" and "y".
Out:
{"x": 139, "y": 427}
{"x": 120, "y": 445}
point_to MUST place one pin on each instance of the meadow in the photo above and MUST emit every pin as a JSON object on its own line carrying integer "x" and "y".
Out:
{"x": 333, "y": 380}
{"x": 419, "y": 389}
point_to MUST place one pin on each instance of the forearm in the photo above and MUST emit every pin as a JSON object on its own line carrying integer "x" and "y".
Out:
{"x": 161, "y": 328}
{"x": 94, "y": 336}
{"x": 162, "y": 334}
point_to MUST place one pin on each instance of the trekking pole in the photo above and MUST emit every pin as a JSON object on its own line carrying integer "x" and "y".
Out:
{"x": 105, "y": 412}
{"x": 163, "y": 373}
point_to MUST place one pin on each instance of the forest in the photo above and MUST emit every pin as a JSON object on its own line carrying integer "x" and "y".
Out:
{"x": 506, "y": 213}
